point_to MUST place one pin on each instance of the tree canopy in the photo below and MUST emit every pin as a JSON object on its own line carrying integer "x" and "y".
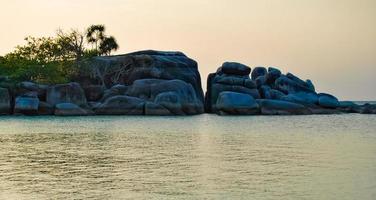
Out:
{"x": 55, "y": 59}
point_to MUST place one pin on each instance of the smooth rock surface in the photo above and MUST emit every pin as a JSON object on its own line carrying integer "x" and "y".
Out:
{"x": 236, "y": 104}
{"x": 328, "y": 101}
{"x": 66, "y": 93}
{"x": 26, "y": 105}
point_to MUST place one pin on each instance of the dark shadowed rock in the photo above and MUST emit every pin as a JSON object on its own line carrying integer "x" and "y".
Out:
{"x": 119, "y": 89}
{"x": 93, "y": 92}
{"x": 235, "y": 68}
{"x": 277, "y": 107}
{"x": 367, "y": 109}
{"x": 27, "y": 86}
{"x": 288, "y": 86}
{"x": 304, "y": 98}
{"x": 156, "y": 109}
{"x": 260, "y": 81}
{"x": 258, "y": 71}
{"x": 66, "y": 93}
{"x": 234, "y": 103}
{"x": 328, "y": 101}
{"x": 121, "y": 105}
{"x": 45, "y": 108}
{"x": 4, "y": 101}
{"x": 70, "y": 109}
{"x": 150, "y": 89}
{"x": 306, "y": 84}
{"x": 349, "y": 107}
{"x": 171, "y": 101}
{"x": 272, "y": 75}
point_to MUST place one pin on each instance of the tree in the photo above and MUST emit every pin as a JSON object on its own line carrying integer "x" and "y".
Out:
{"x": 95, "y": 35}
{"x": 104, "y": 44}
{"x": 108, "y": 44}
{"x": 72, "y": 44}
{"x": 60, "y": 58}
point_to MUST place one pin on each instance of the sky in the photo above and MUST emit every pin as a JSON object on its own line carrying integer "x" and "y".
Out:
{"x": 331, "y": 42}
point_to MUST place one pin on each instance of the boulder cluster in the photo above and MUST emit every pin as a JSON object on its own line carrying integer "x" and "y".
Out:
{"x": 151, "y": 83}
{"x": 169, "y": 83}
{"x": 234, "y": 90}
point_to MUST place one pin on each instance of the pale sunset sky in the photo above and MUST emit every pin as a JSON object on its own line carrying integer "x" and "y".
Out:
{"x": 331, "y": 42}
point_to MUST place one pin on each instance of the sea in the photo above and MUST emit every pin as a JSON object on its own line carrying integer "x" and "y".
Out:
{"x": 190, "y": 157}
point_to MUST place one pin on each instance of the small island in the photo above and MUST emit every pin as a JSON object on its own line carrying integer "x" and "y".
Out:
{"x": 74, "y": 74}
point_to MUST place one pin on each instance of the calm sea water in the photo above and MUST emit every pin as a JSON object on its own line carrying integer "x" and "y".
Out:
{"x": 199, "y": 157}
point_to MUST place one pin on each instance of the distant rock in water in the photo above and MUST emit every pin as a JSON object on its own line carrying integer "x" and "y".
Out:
{"x": 169, "y": 83}
{"x": 231, "y": 91}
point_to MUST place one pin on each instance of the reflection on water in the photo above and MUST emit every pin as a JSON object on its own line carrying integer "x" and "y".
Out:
{"x": 200, "y": 157}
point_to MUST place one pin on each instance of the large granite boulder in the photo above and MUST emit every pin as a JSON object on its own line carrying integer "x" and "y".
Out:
{"x": 45, "y": 108}
{"x": 305, "y": 98}
{"x": 66, "y": 93}
{"x": 230, "y": 77}
{"x": 258, "y": 71}
{"x": 27, "y": 86}
{"x": 235, "y": 68}
{"x": 277, "y": 107}
{"x": 27, "y": 105}
{"x": 236, "y": 104}
{"x": 70, "y": 109}
{"x": 4, "y": 101}
{"x": 93, "y": 92}
{"x": 288, "y": 86}
{"x": 328, "y": 101}
{"x": 183, "y": 95}
{"x": 126, "y": 69}
{"x": 156, "y": 109}
{"x": 121, "y": 105}
{"x": 272, "y": 75}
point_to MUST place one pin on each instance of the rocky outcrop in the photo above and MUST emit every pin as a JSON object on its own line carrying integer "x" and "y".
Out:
{"x": 230, "y": 77}
{"x": 126, "y": 69}
{"x": 169, "y": 83}
{"x": 4, "y": 101}
{"x": 150, "y": 83}
{"x": 230, "y": 89}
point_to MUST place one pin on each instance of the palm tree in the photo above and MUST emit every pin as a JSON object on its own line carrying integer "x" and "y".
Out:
{"x": 95, "y": 35}
{"x": 107, "y": 45}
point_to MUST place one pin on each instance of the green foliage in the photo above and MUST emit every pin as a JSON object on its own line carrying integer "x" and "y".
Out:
{"x": 56, "y": 59}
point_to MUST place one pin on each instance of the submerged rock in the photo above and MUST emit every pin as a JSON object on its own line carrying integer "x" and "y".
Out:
{"x": 121, "y": 105}
{"x": 70, "y": 109}
{"x": 277, "y": 107}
